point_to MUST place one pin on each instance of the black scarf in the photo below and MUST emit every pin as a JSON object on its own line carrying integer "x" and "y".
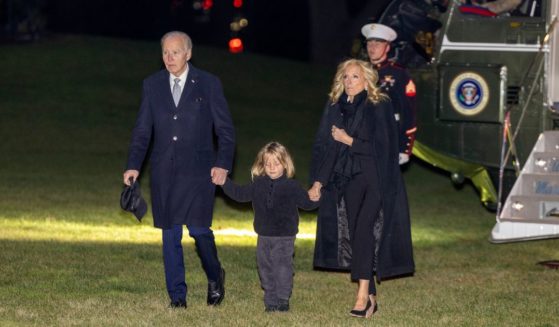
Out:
{"x": 351, "y": 118}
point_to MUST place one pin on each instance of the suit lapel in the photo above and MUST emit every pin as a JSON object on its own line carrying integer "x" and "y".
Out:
{"x": 189, "y": 85}
{"x": 165, "y": 89}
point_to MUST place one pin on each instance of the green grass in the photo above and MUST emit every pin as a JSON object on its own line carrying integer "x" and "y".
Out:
{"x": 69, "y": 256}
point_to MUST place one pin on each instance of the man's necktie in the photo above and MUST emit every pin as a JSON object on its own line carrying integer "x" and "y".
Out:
{"x": 177, "y": 91}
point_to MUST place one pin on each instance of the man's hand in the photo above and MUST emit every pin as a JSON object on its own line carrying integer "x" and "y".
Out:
{"x": 403, "y": 158}
{"x": 130, "y": 173}
{"x": 340, "y": 135}
{"x": 314, "y": 191}
{"x": 219, "y": 175}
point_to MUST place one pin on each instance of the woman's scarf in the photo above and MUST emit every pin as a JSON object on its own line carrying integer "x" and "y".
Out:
{"x": 352, "y": 116}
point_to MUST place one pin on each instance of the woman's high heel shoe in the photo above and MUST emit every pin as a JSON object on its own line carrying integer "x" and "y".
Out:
{"x": 369, "y": 310}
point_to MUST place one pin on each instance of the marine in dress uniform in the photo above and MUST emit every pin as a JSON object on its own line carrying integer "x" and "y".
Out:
{"x": 395, "y": 81}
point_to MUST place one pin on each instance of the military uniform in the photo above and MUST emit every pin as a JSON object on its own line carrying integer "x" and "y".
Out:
{"x": 395, "y": 81}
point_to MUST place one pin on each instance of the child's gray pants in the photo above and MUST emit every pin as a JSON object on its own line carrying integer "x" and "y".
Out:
{"x": 274, "y": 257}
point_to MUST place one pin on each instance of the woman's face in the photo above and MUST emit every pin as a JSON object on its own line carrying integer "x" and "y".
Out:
{"x": 354, "y": 81}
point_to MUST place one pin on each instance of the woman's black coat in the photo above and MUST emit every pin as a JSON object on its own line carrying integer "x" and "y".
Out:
{"x": 332, "y": 249}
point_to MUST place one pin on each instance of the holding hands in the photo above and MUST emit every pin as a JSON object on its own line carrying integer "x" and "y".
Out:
{"x": 218, "y": 175}
{"x": 340, "y": 135}
{"x": 314, "y": 191}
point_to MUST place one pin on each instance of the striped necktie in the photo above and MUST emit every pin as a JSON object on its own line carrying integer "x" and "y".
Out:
{"x": 177, "y": 91}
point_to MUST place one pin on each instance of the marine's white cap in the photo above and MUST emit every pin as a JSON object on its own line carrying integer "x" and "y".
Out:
{"x": 378, "y": 32}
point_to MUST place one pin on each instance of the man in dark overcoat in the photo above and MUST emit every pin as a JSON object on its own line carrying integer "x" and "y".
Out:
{"x": 184, "y": 114}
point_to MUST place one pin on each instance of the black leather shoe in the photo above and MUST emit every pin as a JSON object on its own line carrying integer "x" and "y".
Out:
{"x": 369, "y": 310}
{"x": 178, "y": 304}
{"x": 216, "y": 290}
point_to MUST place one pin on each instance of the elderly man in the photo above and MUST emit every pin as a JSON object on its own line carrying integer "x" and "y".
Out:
{"x": 395, "y": 81}
{"x": 182, "y": 110}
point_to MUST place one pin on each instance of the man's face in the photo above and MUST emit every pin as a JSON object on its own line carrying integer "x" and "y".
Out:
{"x": 377, "y": 50}
{"x": 175, "y": 55}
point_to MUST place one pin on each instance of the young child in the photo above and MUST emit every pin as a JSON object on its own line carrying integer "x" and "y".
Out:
{"x": 275, "y": 199}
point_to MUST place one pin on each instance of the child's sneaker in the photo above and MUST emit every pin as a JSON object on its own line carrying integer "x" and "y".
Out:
{"x": 271, "y": 308}
{"x": 283, "y": 305}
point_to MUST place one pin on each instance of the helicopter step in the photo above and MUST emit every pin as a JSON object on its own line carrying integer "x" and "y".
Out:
{"x": 526, "y": 207}
{"x": 531, "y": 210}
{"x": 546, "y": 162}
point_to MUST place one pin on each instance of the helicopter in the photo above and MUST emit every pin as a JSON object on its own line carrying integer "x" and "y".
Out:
{"x": 488, "y": 103}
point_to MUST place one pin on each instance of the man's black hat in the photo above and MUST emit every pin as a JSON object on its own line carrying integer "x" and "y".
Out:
{"x": 131, "y": 200}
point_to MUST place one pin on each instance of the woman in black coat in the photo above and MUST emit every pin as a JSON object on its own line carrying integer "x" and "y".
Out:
{"x": 363, "y": 221}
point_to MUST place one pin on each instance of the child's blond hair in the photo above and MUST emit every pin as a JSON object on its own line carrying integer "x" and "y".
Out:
{"x": 277, "y": 150}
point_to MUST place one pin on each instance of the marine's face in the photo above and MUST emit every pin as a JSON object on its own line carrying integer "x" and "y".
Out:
{"x": 272, "y": 166}
{"x": 354, "y": 80}
{"x": 175, "y": 55}
{"x": 377, "y": 50}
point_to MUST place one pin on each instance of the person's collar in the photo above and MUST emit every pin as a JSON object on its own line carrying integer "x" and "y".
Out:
{"x": 282, "y": 177}
{"x": 182, "y": 76}
{"x": 357, "y": 99}
{"x": 381, "y": 64}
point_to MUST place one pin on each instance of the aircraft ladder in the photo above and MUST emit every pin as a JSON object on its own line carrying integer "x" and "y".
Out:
{"x": 531, "y": 210}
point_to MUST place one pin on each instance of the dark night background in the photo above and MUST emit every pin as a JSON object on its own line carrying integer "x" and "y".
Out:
{"x": 312, "y": 30}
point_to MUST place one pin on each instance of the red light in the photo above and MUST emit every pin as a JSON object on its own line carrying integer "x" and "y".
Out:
{"x": 207, "y": 4}
{"x": 235, "y": 45}
{"x": 410, "y": 89}
{"x": 237, "y": 3}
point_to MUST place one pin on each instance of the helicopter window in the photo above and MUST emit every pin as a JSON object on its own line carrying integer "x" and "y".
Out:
{"x": 515, "y": 8}
{"x": 528, "y": 8}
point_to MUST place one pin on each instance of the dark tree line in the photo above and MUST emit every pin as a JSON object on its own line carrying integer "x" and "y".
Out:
{"x": 314, "y": 30}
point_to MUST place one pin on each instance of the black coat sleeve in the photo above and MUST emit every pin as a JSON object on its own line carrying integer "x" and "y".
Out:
{"x": 237, "y": 192}
{"x": 386, "y": 146}
{"x": 324, "y": 149}
{"x": 142, "y": 133}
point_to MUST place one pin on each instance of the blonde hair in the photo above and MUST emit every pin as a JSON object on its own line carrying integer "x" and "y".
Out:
{"x": 277, "y": 150}
{"x": 374, "y": 94}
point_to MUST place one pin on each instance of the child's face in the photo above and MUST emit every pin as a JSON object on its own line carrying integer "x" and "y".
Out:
{"x": 272, "y": 166}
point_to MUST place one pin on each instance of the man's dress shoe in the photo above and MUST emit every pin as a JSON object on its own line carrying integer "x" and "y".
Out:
{"x": 216, "y": 290}
{"x": 178, "y": 304}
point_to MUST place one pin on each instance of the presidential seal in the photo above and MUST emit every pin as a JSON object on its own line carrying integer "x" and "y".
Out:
{"x": 469, "y": 93}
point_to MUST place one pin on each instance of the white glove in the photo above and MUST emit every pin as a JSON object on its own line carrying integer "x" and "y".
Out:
{"x": 403, "y": 158}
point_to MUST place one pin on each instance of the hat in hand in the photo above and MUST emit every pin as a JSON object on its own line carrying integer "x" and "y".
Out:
{"x": 378, "y": 32}
{"x": 131, "y": 200}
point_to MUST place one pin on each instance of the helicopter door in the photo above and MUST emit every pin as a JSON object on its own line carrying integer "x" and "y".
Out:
{"x": 472, "y": 93}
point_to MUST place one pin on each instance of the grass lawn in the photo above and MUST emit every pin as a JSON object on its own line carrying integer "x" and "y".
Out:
{"x": 69, "y": 256}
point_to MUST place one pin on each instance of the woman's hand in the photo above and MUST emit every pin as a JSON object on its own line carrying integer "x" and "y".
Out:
{"x": 314, "y": 191}
{"x": 340, "y": 135}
